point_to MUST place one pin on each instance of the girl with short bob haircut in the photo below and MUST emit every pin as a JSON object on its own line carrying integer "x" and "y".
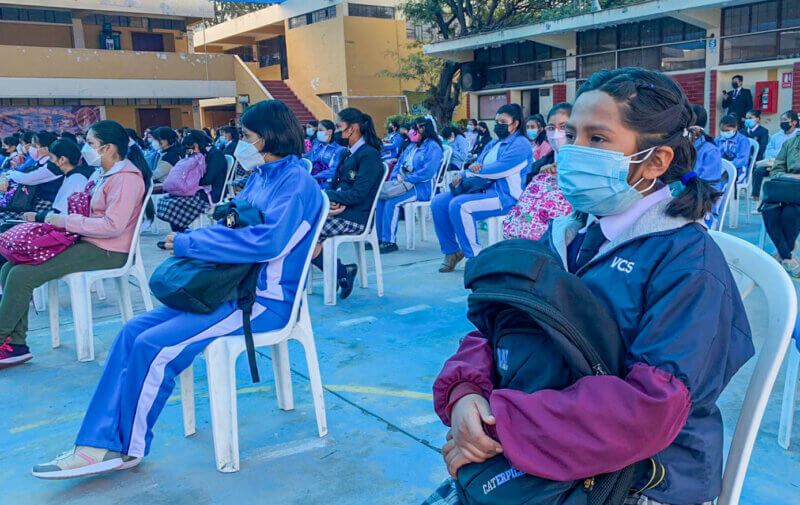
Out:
{"x": 640, "y": 246}
{"x": 139, "y": 376}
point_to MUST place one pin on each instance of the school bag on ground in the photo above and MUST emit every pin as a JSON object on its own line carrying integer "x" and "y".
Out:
{"x": 201, "y": 287}
{"x": 546, "y": 330}
{"x": 184, "y": 178}
{"x": 540, "y": 203}
{"x": 35, "y": 243}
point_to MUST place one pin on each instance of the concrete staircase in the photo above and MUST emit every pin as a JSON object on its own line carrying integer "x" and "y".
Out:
{"x": 280, "y": 91}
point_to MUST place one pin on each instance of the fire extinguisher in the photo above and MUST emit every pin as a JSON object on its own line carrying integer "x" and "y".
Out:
{"x": 764, "y": 98}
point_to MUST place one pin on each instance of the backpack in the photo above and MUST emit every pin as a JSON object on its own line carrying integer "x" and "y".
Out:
{"x": 540, "y": 203}
{"x": 546, "y": 330}
{"x": 184, "y": 178}
{"x": 35, "y": 243}
{"x": 23, "y": 199}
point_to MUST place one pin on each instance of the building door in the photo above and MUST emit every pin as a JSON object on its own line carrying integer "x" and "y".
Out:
{"x": 153, "y": 118}
{"x": 533, "y": 102}
{"x": 142, "y": 41}
{"x": 284, "y": 62}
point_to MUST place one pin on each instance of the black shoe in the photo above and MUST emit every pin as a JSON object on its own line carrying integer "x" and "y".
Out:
{"x": 347, "y": 282}
{"x": 13, "y": 354}
{"x": 389, "y": 247}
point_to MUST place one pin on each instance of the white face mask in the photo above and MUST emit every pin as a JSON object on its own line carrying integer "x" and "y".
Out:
{"x": 91, "y": 155}
{"x": 322, "y": 136}
{"x": 155, "y": 144}
{"x": 248, "y": 156}
{"x": 310, "y": 132}
{"x": 729, "y": 134}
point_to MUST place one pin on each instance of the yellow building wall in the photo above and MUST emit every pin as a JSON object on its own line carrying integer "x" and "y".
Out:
{"x": 29, "y": 34}
{"x": 124, "y": 115}
{"x": 128, "y": 115}
{"x": 770, "y": 121}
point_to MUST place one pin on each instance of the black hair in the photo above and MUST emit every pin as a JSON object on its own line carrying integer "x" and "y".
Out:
{"x": 485, "y": 126}
{"x": 67, "y": 148}
{"x": 738, "y": 76}
{"x": 207, "y": 131}
{"x": 792, "y": 115}
{"x": 313, "y": 123}
{"x": 353, "y": 116}
{"x": 729, "y": 120}
{"x": 515, "y": 111}
{"x": 232, "y": 131}
{"x": 11, "y": 140}
{"x": 69, "y": 135}
{"x": 198, "y": 137}
{"x": 26, "y": 137}
{"x": 701, "y": 120}
{"x": 451, "y": 130}
{"x": 655, "y": 107}
{"x": 472, "y": 121}
{"x": 165, "y": 133}
{"x": 407, "y": 126}
{"x": 755, "y": 113}
{"x": 328, "y": 124}
{"x": 111, "y": 132}
{"x": 44, "y": 138}
{"x": 277, "y": 125}
{"x": 135, "y": 137}
{"x": 564, "y": 107}
{"x": 395, "y": 123}
{"x": 430, "y": 131}
{"x": 542, "y": 136}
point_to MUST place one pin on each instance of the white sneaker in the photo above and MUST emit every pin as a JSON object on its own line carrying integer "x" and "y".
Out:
{"x": 791, "y": 265}
{"x": 83, "y": 461}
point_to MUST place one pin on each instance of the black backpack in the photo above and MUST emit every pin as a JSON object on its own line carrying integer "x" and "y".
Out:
{"x": 546, "y": 330}
{"x": 200, "y": 287}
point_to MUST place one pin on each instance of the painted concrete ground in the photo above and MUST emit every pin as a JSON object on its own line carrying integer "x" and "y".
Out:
{"x": 378, "y": 358}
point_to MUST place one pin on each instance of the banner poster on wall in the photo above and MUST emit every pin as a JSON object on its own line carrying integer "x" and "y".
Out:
{"x": 50, "y": 118}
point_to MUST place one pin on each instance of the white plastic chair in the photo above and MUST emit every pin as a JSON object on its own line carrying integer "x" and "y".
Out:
{"x": 729, "y": 169}
{"x": 495, "y": 229}
{"x": 789, "y": 390}
{"x": 753, "y": 268}
{"x": 221, "y": 357}
{"x": 330, "y": 253}
{"x": 744, "y": 187}
{"x": 308, "y": 164}
{"x": 410, "y": 209}
{"x": 80, "y": 296}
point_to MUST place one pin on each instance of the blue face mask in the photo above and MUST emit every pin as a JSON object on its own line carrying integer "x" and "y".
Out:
{"x": 470, "y": 128}
{"x": 532, "y": 134}
{"x": 750, "y": 123}
{"x": 595, "y": 181}
{"x": 728, "y": 134}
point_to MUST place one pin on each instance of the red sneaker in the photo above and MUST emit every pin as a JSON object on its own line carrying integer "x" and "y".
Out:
{"x": 13, "y": 354}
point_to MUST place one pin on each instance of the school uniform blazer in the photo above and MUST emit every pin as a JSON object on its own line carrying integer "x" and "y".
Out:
{"x": 356, "y": 183}
{"x": 216, "y": 171}
{"x": 760, "y": 135}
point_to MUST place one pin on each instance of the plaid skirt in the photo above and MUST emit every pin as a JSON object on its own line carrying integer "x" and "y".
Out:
{"x": 337, "y": 226}
{"x": 40, "y": 206}
{"x": 181, "y": 211}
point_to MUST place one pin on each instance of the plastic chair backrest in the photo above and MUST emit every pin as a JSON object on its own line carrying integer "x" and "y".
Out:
{"x": 308, "y": 164}
{"x": 753, "y": 268}
{"x": 447, "y": 154}
{"x": 729, "y": 169}
{"x": 751, "y": 165}
{"x": 323, "y": 216}
{"x": 371, "y": 219}
{"x": 135, "y": 241}
{"x": 228, "y": 178}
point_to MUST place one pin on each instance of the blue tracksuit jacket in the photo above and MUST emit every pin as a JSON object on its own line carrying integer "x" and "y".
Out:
{"x": 736, "y": 150}
{"x": 509, "y": 171}
{"x": 328, "y": 156}
{"x": 427, "y": 160}
{"x": 391, "y": 149}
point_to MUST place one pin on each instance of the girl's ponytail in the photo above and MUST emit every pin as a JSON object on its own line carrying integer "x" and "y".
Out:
{"x": 368, "y": 132}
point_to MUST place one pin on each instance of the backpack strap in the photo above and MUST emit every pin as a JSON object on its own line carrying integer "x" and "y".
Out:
{"x": 245, "y": 302}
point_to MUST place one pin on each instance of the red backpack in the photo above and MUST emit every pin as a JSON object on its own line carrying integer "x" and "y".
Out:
{"x": 35, "y": 243}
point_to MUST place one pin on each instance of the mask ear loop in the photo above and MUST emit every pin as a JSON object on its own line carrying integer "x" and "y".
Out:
{"x": 652, "y": 185}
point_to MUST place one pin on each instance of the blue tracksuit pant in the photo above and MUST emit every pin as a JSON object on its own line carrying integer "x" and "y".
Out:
{"x": 454, "y": 219}
{"x": 387, "y": 214}
{"x": 139, "y": 375}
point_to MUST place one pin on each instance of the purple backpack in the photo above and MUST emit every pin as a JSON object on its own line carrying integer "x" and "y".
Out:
{"x": 184, "y": 178}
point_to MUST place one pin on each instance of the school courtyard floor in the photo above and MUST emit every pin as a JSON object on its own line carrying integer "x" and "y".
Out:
{"x": 378, "y": 356}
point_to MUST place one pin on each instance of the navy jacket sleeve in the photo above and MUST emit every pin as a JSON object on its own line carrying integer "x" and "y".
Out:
{"x": 370, "y": 170}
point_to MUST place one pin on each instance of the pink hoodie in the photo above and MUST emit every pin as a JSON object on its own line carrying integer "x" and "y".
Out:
{"x": 116, "y": 204}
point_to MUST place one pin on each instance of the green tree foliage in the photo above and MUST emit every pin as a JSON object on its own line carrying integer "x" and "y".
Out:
{"x": 224, "y": 11}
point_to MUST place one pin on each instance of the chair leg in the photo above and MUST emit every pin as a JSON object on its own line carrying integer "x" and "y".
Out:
{"x": 789, "y": 390}
{"x": 310, "y": 280}
{"x": 52, "y": 311}
{"x": 410, "y": 232}
{"x": 125, "y": 304}
{"x": 82, "y": 317}
{"x": 376, "y": 255}
{"x": 423, "y": 222}
{"x": 306, "y": 338}
{"x": 187, "y": 401}
{"x": 733, "y": 211}
{"x": 221, "y": 371}
{"x": 100, "y": 288}
{"x": 38, "y": 299}
{"x": 361, "y": 261}
{"x": 762, "y": 236}
{"x": 144, "y": 285}
{"x": 283, "y": 375}
{"x": 329, "y": 271}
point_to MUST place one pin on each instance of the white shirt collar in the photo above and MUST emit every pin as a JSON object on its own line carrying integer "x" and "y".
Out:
{"x": 355, "y": 147}
{"x": 614, "y": 226}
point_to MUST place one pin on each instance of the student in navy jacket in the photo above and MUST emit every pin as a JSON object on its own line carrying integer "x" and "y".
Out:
{"x": 505, "y": 162}
{"x": 417, "y": 170}
{"x": 646, "y": 255}
{"x": 754, "y": 130}
{"x": 152, "y": 349}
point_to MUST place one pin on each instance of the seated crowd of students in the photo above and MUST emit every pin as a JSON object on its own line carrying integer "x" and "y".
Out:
{"x": 634, "y": 123}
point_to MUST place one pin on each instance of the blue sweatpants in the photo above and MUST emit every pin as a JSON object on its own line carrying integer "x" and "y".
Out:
{"x": 387, "y": 214}
{"x": 139, "y": 375}
{"x": 454, "y": 219}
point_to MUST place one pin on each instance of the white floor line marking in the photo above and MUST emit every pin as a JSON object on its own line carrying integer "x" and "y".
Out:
{"x": 413, "y": 308}
{"x": 411, "y": 422}
{"x": 458, "y": 299}
{"x": 289, "y": 449}
{"x": 358, "y": 320}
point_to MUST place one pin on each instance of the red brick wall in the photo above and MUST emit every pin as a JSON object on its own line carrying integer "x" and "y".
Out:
{"x": 508, "y": 97}
{"x": 796, "y": 88}
{"x": 469, "y": 108}
{"x": 559, "y": 93}
{"x": 713, "y": 104}
{"x": 693, "y": 85}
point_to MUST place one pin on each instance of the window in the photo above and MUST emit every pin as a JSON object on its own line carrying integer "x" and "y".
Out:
{"x": 421, "y": 32}
{"x": 269, "y": 51}
{"x": 167, "y": 24}
{"x": 790, "y": 15}
{"x": 35, "y": 15}
{"x": 649, "y": 57}
{"x": 100, "y": 20}
{"x": 683, "y": 56}
{"x": 790, "y": 44}
{"x": 760, "y": 31}
{"x": 522, "y": 62}
{"x": 313, "y": 17}
{"x": 764, "y": 17}
{"x": 488, "y": 105}
{"x": 588, "y": 65}
{"x": 370, "y": 11}
{"x": 736, "y": 20}
{"x": 510, "y": 54}
{"x": 244, "y": 52}
{"x": 650, "y": 32}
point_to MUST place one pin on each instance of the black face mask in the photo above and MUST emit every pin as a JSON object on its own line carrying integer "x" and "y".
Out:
{"x": 337, "y": 138}
{"x": 785, "y": 126}
{"x": 501, "y": 130}
{"x": 735, "y": 84}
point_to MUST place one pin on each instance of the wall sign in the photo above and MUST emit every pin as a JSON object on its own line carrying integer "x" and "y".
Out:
{"x": 786, "y": 80}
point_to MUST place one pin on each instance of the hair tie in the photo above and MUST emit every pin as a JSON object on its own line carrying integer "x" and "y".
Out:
{"x": 688, "y": 177}
{"x": 685, "y": 132}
